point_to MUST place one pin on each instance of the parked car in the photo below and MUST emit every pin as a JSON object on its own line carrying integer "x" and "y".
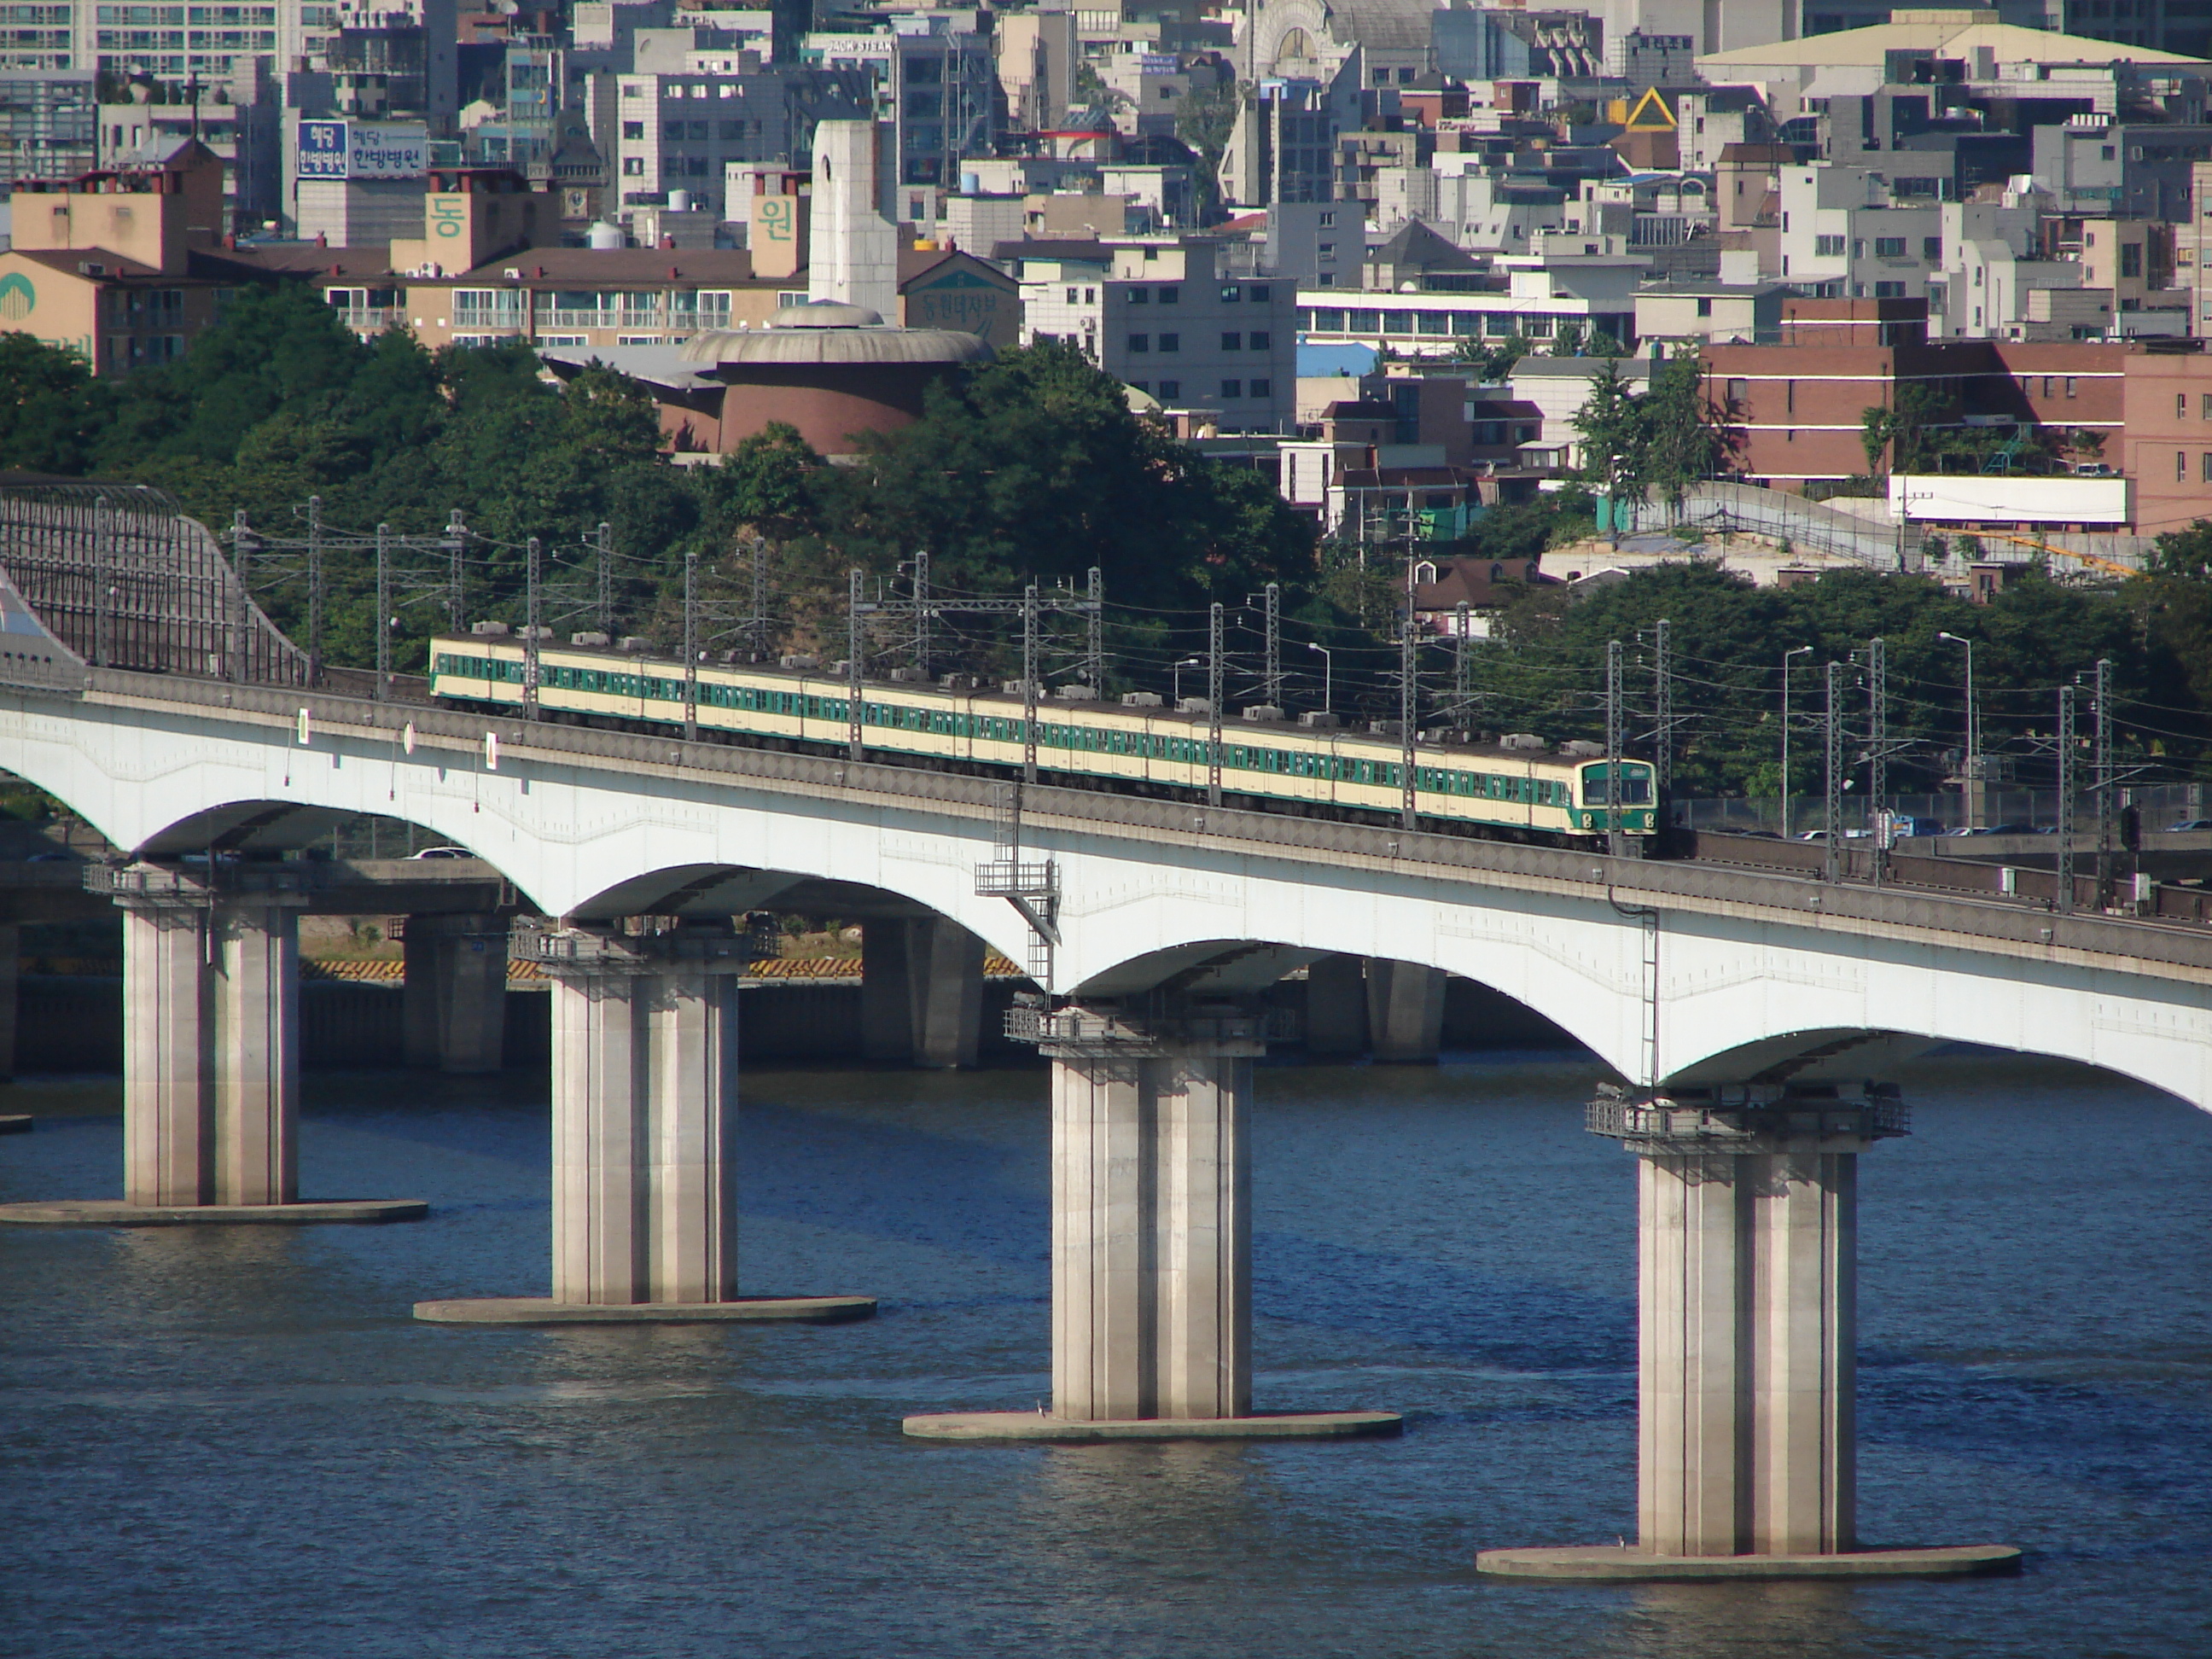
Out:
{"x": 2002, "y": 830}
{"x": 443, "y": 852}
{"x": 1903, "y": 826}
{"x": 2187, "y": 825}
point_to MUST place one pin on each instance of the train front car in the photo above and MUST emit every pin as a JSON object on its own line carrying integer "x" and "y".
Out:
{"x": 1600, "y": 810}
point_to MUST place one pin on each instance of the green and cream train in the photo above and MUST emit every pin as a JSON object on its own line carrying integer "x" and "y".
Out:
{"x": 1534, "y": 793}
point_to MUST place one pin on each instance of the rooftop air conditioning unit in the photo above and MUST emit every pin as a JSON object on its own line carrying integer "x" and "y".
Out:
{"x": 1263, "y": 712}
{"x": 1142, "y": 699}
{"x": 596, "y": 642}
{"x": 496, "y": 630}
{"x": 800, "y": 659}
{"x": 1582, "y": 746}
{"x": 1320, "y": 719}
{"x": 1522, "y": 741}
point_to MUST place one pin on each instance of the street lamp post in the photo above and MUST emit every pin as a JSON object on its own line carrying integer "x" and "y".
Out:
{"x": 1786, "y": 656}
{"x": 1187, "y": 662}
{"x": 1970, "y": 770}
{"x": 1327, "y": 678}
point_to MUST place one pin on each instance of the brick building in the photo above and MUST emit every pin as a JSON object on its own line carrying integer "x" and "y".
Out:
{"x": 2167, "y": 446}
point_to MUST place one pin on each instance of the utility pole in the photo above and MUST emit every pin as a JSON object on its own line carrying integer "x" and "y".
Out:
{"x": 855, "y": 735}
{"x": 1831, "y": 863}
{"x": 1214, "y": 676}
{"x": 1094, "y": 654}
{"x": 2103, "y": 783}
{"x": 1613, "y": 746}
{"x": 607, "y": 581}
{"x": 241, "y": 559}
{"x": 315, "y": 592}
{"x": 1789, "y": 719}
{"x": 691, "y": 647}
{"x": 457, "y": 543}
{"x": 2063, "y": 897}
{"x": 1409, "y": 713}
{"x": 103, "y": 583}
{"x": 1029, "y": 683}
{"x": 1271, "y": 681}
{"x": 1877, "y": 747}
{"x": 1463, "y": 681}
{"x": 532, "y": 605}
{"x": 921, "y": 612}
{"x": 1663, "y": 768}
{"x": 384, "y": 617}
{"x": 757, "y": 639}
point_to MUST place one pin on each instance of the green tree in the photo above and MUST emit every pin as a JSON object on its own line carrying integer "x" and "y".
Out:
{"x": 50, "y": 408}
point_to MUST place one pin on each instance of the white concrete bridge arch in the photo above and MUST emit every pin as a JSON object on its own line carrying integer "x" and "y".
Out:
{"x": 1736, "y": 984}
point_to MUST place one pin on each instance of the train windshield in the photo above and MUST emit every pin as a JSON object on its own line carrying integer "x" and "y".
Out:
{"x": 1635, "y": 785}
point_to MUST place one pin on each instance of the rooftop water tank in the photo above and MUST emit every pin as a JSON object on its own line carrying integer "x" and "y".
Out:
{"x": 679, "y": 201}
{"x": 604, "y": 234}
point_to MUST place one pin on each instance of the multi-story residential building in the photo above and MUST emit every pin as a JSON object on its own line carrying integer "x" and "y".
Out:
{"x": 1698, "y": 312}
{"x": 245, "y": 134}
{"x": 1845, "y": 234}
{"x": 2095, "y": 164}
{"x": 1998, "y": 282}
{"x": 1283, "y": 146}
{"x": 1799, "y": 408}
{"x": 937, "y": 81}
{"x": 2192, "y": 249}
{"x": 2167, "y": 450}
{"x": 1566, "y": 284}
{"x": 681, "y": 131}
{"x": 122, "y": 268}
{"x": 1168, "y": 318}
{"x": 48, "y": 123}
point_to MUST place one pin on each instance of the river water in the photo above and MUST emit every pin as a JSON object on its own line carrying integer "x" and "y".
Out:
{"x": 226, "y": 1444}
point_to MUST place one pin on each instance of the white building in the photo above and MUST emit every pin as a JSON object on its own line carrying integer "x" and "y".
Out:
{"x": 1168, "y": 318}
{"x": 1844, "y": 236}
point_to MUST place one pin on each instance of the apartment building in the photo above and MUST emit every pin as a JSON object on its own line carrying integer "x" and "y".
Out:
{"x": 1846, "y": 234}
{"x": 681, "y": 131}
{"x": 2167, "y": 446}
{"x": 1171, "y": 319}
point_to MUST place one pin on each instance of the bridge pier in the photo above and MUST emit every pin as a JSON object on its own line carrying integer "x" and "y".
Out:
{"x": 1405, "y": 1012}
{"x": 1152, "y": 1312}
{"x": 210, "y": 1066}
{"x": 454, "y": 1002}
{"x": 11, "y": 958}
{"x": 922, "y": 992}
{"x": 645, "y": 1100}
{"x": 1336, "y": 1008}
{"x": 1747, "y": 1296}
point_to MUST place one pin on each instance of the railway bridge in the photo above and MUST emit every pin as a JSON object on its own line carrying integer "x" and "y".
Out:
{"x": 1753, "y": 1018}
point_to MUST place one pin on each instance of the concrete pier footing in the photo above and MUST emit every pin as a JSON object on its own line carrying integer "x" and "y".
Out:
{"x": 1033, "y": 1425}
{"x": 1605, "y": 1563}
{"x": 543, "y": 1311}
{"x": 109, "y": 1212}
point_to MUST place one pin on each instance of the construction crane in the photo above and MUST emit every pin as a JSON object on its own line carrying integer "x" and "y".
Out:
{"x": 2110, "y": 567}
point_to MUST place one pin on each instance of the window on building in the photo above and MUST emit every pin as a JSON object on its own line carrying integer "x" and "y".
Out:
{"x": 2131, "y": 260}
{"x": 732, "y": 130}
{"x": 1140, "y": 296}
{"x": 1140, "y": 343}
{"x": 1170, "y": 390}
{"x": 1232, "y": 388}
{"x": 1072, "y": 293}
{"x": 672, "y": 132}
{"x": 1932, "y": 247}
{"x": 633, "y": 128}
{"x": 1738, "y": 391}
{"x": 1231, "y": 294}
{"x": 2207, "y": 406}
{"x": 2180, "y": 466}
{"x": 2069, "y": 385}
{"x": 1232, "y": 342}
{"x": 1889, "y": 291}
{"x": 1789, "y": 398}
{"x": 2181, "y": 405}
{"x": 1171, "y": 342}
{"x": 1705, "y": 307}
{"x": 1090, "y": 296}
{"x": 2204, "y": 466}
{"x": 1257, "y": 342}
{"x": 1263, "y": 389}
{"x": 633, "y": 166}
{"x": 1829, "y": 247}
{"x": 1169, "y": 295}
{"x": 1256, "y": 292}
{"x": 1889, "y": 247}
